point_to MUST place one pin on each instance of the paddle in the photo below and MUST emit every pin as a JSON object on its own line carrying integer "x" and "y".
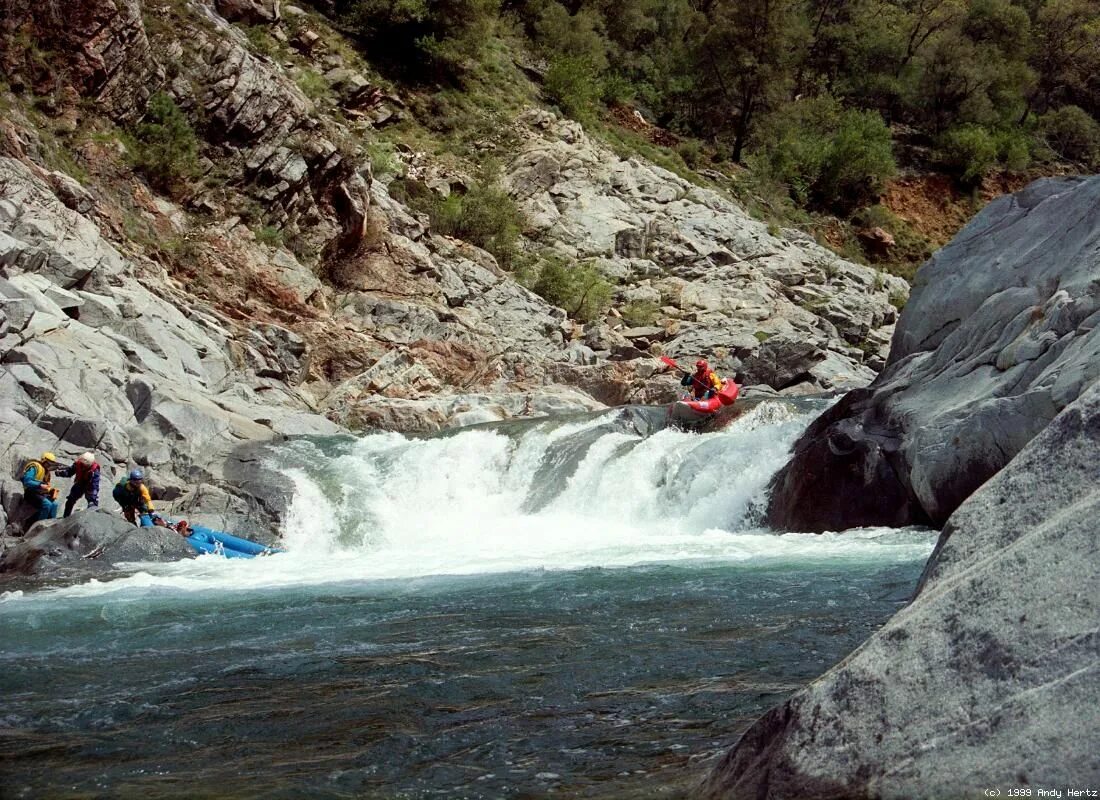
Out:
{"x": 730, "y": 389}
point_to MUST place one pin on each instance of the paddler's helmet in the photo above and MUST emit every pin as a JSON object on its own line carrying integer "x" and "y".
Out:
{"x": 49, "y": 460}
{"x": 701, "y": 365}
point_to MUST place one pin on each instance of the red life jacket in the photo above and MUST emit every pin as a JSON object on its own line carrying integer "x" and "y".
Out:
{"x": 82, "y": 473}
{"x": 706, "y": 382}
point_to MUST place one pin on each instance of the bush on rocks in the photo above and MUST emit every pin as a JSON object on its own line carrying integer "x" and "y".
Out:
{"x": 1073, "y": 134}
{"x": 578, "y": 288}
{"x": 164, "y": 145}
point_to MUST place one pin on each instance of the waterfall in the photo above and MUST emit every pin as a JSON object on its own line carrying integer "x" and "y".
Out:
{"x": 536, "y": 495}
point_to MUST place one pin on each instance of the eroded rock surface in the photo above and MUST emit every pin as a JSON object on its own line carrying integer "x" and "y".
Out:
{"x": 990, "y": 678}
{"x": 724, "y": 284}
{"x": 1001, "y": 333}
{"x": 86, "y": 545}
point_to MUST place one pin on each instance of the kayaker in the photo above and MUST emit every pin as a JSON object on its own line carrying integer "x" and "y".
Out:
{"x": 133, "y": 495}
{"x": 704, "y": 383}
{"x": 36, "y": 486}
{"x": 85, "y": 474}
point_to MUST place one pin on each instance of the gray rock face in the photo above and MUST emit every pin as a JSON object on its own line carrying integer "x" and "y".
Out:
{"x": 1001, "y": 333}
{"x": 114, "y": 368}
{"x": 102, "y": 46}
{"x": 990, "y": 678}
{"x": 86, "y": 544}
{"x": 724, "y": 282}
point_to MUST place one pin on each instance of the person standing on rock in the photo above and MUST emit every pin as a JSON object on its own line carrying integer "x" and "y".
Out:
{"x": 85, "y": 475}
{"x": 705, "y": 383}
{"x": 36, "y": 486}
{"x": 133, "y": 495}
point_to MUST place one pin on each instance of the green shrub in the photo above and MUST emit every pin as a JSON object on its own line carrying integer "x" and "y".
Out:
{"x": 578, "y": 288}
{"x": 691, "y": 150}
{"x": 573, "y": 86}
{"x": 485, "y": 216}
{"x": 824, "y": 154}
{"x": 968, "y": 152}
{"x": 639, "y": 313}
{"x": 1071, "y": 133}
{"x": 164, "y": 145}
{"x": 269, "y": 235}
{"x": 260, "y": 41}
{"x": 1013, "y": 149}
{"x": 618, "y": 89}
{"x": 312, "y": 84}
{"x": 421, "y": 39}
{"x": 383, "y": 159}
{"x": 857, "y": 161}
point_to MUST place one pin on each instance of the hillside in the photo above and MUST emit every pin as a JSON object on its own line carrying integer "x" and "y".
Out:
{"x": 255, "y": 166}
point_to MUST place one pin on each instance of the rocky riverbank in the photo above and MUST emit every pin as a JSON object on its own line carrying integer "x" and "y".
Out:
{"x": 987, "y": 679}
{"x": 1002, "y": 333}
{"x": 278, "y": 289}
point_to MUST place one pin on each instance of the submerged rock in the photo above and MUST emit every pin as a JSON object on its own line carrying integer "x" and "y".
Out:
{"x": 1001, "y": 333}
{"x": 990, "y": 678}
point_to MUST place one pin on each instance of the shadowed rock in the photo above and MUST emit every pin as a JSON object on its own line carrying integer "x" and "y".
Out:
{"x": 990, "y": 678}
{"x": 87, "y": 544}
{"x": 1001, "y": 333}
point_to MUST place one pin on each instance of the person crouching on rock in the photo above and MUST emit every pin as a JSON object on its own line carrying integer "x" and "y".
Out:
{"x": 36, "y": 486}
{"x": 705, "y": 383}
{"x": 133, "y": 495}
{"x": 85, "y": 475}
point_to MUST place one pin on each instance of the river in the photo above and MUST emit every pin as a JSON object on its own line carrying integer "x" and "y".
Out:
{"x": 552, "y": 608}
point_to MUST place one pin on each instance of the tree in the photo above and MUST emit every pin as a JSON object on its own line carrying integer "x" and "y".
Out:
{"x": 1066, "y": 55}
{"x": 423, "y": 38}
{"x": 746, "y": 63}
{"x": 825, "y": 154}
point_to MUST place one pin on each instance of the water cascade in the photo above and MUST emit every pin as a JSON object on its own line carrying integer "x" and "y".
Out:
{"x": 502, "y": 610}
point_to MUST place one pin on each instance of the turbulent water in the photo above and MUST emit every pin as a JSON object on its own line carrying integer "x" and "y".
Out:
{"x": 562, "y": 607}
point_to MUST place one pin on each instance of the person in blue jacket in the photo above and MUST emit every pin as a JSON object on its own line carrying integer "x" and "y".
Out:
{"x": 36, "y": 485}
{"x": 85, "y": 475}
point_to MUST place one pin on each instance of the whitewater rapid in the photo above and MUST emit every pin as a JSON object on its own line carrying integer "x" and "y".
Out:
{"x": 551, "y": 496}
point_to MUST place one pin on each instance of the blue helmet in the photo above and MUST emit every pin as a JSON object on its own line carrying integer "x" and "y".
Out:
{"x": 137, "y": 475}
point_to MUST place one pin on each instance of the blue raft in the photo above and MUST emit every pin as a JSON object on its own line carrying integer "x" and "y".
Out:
{"x": 208, "y": 540}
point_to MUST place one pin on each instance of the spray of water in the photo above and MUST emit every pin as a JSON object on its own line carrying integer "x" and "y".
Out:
{"x": 552, "y": 496}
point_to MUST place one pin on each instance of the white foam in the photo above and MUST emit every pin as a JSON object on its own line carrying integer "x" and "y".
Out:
{"x": 400, "y": 508}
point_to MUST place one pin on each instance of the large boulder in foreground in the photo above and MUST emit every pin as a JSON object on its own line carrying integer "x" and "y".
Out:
{"x": 990, "y": 679}
{"x": 87, "y": 544}
{"x": 1001, "y": 333}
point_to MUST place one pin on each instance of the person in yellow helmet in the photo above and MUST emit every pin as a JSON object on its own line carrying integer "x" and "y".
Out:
{"x": 36, "y": 485}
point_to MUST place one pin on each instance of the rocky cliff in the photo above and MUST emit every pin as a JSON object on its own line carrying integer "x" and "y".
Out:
{"x": 1001, "y": 333}
{"x": 989, "y": 680}
{"x": 275, "y": 287}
